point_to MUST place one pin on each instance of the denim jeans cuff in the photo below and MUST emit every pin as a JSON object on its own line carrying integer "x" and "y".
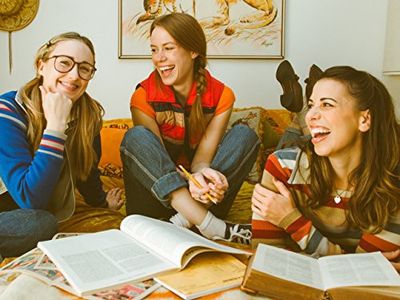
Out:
{"x": 167, "y": 184}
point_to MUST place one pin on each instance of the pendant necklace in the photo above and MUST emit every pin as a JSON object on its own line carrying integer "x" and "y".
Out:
{"x": 338, "y": 197}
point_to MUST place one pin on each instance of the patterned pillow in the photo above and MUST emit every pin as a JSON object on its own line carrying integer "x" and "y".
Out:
{"x": 275, "y": 121}
{"x": 253, "y": 118}
{"x": 112, "y": 133}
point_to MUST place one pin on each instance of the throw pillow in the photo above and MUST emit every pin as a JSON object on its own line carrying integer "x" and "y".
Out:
{"x": 251, "y": 117}
{"x": 112, "y": 133}
{"x": 275, "y": 121}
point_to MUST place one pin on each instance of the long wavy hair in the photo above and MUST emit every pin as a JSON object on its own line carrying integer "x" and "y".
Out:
{"x": 86, "y": 113}
{"x": 376, "y": 180}
{"x": 188, "y": 33}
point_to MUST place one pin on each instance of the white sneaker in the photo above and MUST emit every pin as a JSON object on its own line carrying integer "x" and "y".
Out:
{"x": 236, "y": 233}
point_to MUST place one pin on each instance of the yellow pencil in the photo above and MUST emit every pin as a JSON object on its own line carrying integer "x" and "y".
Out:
{"x": 190, "y": 177}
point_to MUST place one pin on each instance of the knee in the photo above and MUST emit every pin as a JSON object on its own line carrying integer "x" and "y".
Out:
{"x": 245, "y": 134}
{"x": 132, "y": 135}
{"x": 24, "y": 229}
{"x": 137, "y": 138}
{"x": 44, "y": 225}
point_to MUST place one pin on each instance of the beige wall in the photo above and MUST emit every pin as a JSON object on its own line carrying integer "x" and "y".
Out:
{"x": 324, "y": 32}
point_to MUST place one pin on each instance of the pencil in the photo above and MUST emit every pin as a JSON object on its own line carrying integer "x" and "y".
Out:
{"x": 190, "y": 177}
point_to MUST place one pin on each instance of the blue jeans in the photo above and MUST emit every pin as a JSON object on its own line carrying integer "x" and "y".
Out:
{"x": 292, "y": 137}
{"x": 150, "y": 175}
{"x": 22, "y": 229}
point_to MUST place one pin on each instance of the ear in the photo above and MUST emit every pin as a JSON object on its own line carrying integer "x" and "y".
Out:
{"x": 40, "y": 66}
{"x": 193, "y": 54}
{"x": 365, "y": 121}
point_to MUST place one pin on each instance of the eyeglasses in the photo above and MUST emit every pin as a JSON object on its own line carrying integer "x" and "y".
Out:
{"x": 64, "y": 64}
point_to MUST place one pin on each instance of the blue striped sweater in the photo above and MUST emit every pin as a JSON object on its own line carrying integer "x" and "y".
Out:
{"x": 30, "y": 178}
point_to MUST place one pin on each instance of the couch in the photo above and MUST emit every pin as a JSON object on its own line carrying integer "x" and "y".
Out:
{"x": 268, "y": 124}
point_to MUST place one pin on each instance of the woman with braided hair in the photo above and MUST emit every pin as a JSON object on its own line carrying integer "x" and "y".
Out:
{"x": 181, "y": 114}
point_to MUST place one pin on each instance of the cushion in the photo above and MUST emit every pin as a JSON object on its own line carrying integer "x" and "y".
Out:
{"x": 251, "y": 117}
{"x": 92, "y": 219}
{"x": 275, "y": 121}
{"x": 112, "y": 133}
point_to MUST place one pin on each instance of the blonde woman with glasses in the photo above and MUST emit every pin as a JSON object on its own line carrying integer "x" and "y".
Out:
{"x": 50, "y": 144}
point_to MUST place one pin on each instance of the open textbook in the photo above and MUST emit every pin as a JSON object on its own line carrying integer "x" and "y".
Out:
{"x": 143, "y": 248}
{"x": 36, "y": 264}
{"x": 282, "y": 274}
{"x": 206, "y": 274}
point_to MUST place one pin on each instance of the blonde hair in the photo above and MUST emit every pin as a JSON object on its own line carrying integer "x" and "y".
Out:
{"x": 188, "y": 33}
{"x": 86, "y": 114}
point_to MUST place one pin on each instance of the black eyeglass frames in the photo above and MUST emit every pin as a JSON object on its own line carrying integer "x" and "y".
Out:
{"x": 64, "y": 64}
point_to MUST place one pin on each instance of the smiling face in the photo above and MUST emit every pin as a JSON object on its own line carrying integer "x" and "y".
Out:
{"x": 335, "y": 123}
{"x": 174, "y": 63}
{"x": 69, "y": 84}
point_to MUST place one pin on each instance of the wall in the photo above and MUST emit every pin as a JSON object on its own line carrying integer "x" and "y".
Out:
{"x": 323, "y": 32}
{"x": 391, "y": 62}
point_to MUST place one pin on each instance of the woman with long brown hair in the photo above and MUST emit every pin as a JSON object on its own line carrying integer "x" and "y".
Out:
{"x": 341, "y": 193}
{"x": 50, "y": 144}
{"x": 181, "y": 114}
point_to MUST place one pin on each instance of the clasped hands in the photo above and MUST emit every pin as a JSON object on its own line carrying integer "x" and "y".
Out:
{"x": 212, "y": 182}
{"x": 272, "y": 206}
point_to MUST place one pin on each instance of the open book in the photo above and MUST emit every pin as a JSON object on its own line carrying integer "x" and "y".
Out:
{"x": 36, "y": 264}
{"x": 206, "y": 274}
{"x": 282, "y": 274}
{"x": 143, "y": 248}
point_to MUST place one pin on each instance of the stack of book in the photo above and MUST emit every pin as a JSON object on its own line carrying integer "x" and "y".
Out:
{"x": 146, "y": 253}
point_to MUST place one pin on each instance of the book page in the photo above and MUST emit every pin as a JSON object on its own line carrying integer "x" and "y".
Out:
{"x": 103, "y": 260}
{"x": 357, "y": 270}
{"x": 44, "y": 262}
{"x": 28, "y": 262}
{"x": 205, "y": 274}
{"x": 287, "y": 265}
{"x": 169, "y": 240}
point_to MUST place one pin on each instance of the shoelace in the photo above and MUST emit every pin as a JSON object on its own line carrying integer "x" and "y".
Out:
{"x": 238, "y": 234}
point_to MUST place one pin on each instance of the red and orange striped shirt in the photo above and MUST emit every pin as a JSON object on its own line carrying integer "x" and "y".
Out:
{"x": 321, "y": 231}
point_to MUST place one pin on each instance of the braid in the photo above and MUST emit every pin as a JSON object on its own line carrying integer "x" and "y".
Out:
{"x": 196, "y": 119}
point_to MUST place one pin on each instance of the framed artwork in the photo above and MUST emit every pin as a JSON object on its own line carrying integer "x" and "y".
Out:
{"x": 233, "y": 28}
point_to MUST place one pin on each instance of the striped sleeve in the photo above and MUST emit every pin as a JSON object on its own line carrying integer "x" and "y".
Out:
{"x": 29, "y": 177}
{"x": 262, "y": 230}
{"x": 294, "y": 227}
{"x": 386, "y": 240}
{"x": 52, "y": 143}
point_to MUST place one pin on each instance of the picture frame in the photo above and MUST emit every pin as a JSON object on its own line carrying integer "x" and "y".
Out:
{"x": 233, "y": 28}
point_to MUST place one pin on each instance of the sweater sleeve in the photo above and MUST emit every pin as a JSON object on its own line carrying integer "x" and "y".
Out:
{"x": 92, "y": 188}
{"x": 29, "y": 177}
{"x": 295, "y": 225}
{"x": 310, "y": 239}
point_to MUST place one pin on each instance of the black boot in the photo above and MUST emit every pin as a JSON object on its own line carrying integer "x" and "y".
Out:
{"x": 313, "y": 76}
{"x": 292, "y": 97}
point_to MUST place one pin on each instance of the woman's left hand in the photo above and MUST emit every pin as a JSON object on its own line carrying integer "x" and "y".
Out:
{"x": 114, "y": 198}
{"x": 215, "y": 182}
{"x": 393, "y": 257}
{"x": 272, "y": 206}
